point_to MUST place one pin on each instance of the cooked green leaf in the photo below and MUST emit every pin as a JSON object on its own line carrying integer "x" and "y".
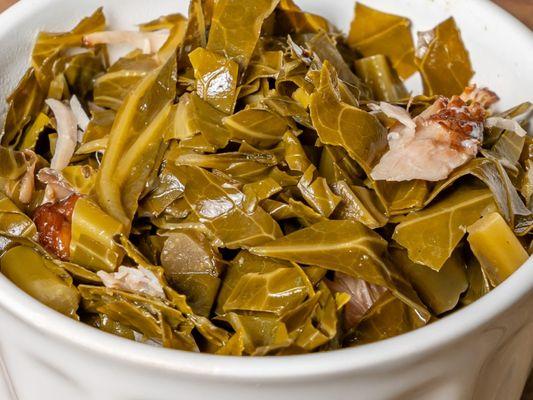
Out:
{"x": 340, "y": 124}
{"x": 220, "y": 207}
{"x": 216, "y": 79}
{"x": 135, "y": 139}
{"x": 431, "y": 235}
{"x": 443, "y": 60}
{"x": 440, "y": 290}
{"x": 236, "y": 26}
{"x": 374, "y": 32}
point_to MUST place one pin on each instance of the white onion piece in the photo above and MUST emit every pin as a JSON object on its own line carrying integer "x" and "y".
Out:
{"x": 67, "y": 134}
{"x": 57, "y": 187}
{"x": 136, "y": 280}
{"x": 81, "y": 116}
{"x": 507, "y": 124}
{"x": 148, "y": 42}
{"x": 27, "y": 182}
{"x": 139, "y": 337}
{"x": 395, "y": 112}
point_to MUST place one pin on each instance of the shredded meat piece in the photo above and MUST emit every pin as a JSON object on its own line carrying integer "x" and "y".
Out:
{"x": 135, "y": 280}
{"x": 461, "y": 122}
{"x": 362, "y": 296}
{"x": 443, "y": 137}
{"x": 53, "y": 221}
{"x": 483, "y": 96}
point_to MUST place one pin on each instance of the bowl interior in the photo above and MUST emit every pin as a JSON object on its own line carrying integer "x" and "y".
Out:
{"x": 502, "y": 62}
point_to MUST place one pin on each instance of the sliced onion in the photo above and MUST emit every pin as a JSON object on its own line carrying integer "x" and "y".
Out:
{"x": 81, "y": 116}
{"x": 139, "y": 337}
{"x": 424, "y": 40}
{"x": 507, "y": 124}
{"x": 148, "y": 42}
{"x": 395, "y": 112}
{"x": 57, "y": 187}
{"x": 136, "y": 280}
{"x": 27, "y": 182}
{"x": 67, "y": 134}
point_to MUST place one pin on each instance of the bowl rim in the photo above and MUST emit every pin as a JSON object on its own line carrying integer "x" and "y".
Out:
{"x": 365, "y": 358}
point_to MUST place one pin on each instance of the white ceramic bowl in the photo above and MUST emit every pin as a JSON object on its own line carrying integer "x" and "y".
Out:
{"x": 483, "y": 352}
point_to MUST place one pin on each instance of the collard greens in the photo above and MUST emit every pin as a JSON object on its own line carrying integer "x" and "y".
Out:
{"x": 217, "y": 191}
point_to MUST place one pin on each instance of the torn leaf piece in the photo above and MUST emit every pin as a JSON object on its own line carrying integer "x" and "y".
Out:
{"x": 317, "y": 193}
{"x": 374, "y": 32}
{"x": 431, "y": 235}
{"x": 195, "y": 119}
{"x": 388, "y": 317}
{"x": 273, "y": 292}
{"x": 440, "y": 290}
{"x": 192, "y": 266}
{"x": 257, "y": 127}
{"x": 443, "y": 60}
{"x": 340, "y": 124}
{"x": 220, "y": 207}
{"x": 24, "y": 105}
{"x": 216, "y": 79}
{"x": 50, "y": 46}
{"x": 236, "y": 26}
{"x": 261, "y": 335}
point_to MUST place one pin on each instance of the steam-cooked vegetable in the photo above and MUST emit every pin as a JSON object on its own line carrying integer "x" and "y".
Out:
{"x": 248, "y": 181}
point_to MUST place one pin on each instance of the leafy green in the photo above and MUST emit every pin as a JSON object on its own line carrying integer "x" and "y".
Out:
{"x": 236, "y": 26}
{"x": 443, "y": 60}
{"x": 439, "y": 290}
{"x": 506, "y": 197}
{"x": 374, "y": 32}
{"x": 316, "y": 192}
{"x": 35, "y": 275}
{"x": 291, "y": 19}
{"x": 216, "y": 79}
{"x": 340, "y": 124}
{"x": 257, "y": 127}
{"x": 24, "y": 104}
{"x": 388, "y": 317}
{"x": 198, "y": 125}
{"x": 431, "y": 235}
{"x": 220, "y": 207}
{"x": 378, "y": 75}
{"x": 323, "y": 47}
{"x": 135, "y": 139}
{"x": 50, "y": 46}
{"x": 359, "y": 204}
{"x": 273, "y": 292}
{"x": 345, "y": 246}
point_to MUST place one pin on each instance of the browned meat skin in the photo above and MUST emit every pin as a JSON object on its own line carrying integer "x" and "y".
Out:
{"x": 53, "y": 221}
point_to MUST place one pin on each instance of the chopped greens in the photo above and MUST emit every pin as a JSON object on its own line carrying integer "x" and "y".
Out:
{"x": 248, "y": 181}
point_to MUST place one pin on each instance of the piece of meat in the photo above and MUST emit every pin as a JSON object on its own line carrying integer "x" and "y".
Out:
{"x": 53, "y": 221}
{"x": 135, "y": 280}
{"x": 57, "y": 187}
{"x": 445, "y": 136}
{"x": 363, "y": 295}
